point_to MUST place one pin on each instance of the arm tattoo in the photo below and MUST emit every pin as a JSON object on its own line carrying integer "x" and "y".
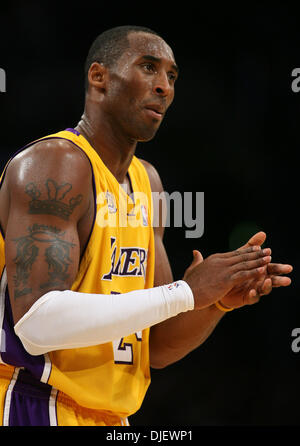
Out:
{"x": 57, "y": 255}
{"x": 53, "y": 204}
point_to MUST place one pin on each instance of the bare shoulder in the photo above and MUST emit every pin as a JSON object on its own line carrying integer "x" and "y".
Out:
{"x": 154, "y": 177}
{"x": 52, "y": 158}
{"x": 47, "y": 173}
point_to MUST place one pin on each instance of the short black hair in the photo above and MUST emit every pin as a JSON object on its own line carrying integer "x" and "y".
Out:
{"x": 109, "y": 46}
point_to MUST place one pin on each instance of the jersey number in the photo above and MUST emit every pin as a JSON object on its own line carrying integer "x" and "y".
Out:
{"x": 123, "y": 353}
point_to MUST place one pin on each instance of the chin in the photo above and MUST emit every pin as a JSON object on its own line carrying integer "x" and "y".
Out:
{"x": 145, "y": 139}
{"x": 147, "y": 135}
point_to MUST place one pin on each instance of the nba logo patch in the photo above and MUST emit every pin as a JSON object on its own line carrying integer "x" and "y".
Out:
{"x": 144, "y": 215}
{"x": 111, "y": 204}
{"x": 173, "y": 285}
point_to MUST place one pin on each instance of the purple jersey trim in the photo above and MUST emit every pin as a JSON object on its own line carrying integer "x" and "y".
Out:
{"x": 94, "y": 187}
{"x": 14, "y": 353}
{"x": 29, "y": 403}
{"x": 69, "y": 129}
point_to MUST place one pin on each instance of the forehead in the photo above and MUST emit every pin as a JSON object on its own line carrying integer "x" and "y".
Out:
{"x": 142, "y": 43}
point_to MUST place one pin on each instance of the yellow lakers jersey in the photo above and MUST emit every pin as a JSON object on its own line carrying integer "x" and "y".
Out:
{"x": 119, "y": 257}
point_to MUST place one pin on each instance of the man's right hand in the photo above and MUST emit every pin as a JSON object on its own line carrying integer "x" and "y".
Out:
{"x": 212, "y": 278}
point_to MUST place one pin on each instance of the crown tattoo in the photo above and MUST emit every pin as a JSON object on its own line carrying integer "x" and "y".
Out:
{"x": 54, "y": 204}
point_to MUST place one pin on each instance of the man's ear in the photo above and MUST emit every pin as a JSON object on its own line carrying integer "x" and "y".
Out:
{"x": 97, "y": 76}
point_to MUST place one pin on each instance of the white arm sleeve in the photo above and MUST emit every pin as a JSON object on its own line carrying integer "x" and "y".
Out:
{"x": 68, "y": 319}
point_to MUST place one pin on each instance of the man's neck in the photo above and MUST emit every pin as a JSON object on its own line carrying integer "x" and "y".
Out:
{"x": 115, "y": 151}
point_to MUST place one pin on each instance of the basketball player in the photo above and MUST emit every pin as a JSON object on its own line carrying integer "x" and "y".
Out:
{"x": 84, "y": 273}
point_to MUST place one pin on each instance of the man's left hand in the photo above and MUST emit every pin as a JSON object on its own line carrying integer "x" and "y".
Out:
{"x": 251, "y": 292}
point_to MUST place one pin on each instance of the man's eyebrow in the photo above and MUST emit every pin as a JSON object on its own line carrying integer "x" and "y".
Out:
{"x": 158, "y": 60}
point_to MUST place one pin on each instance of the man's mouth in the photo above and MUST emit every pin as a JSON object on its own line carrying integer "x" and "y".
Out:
{"x": 155, "y": 111}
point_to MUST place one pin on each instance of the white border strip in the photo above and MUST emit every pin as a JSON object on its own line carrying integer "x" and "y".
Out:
{"x": 52, "y": 407}
{"x": 124, "y": 422}
{"x": 47, "y": 369}
{"x": 7, "y": 402}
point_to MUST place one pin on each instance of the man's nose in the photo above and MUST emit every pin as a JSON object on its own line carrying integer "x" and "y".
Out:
{"x": 162, "y": 85}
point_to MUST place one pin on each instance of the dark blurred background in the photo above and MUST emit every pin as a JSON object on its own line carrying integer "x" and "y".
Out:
{"x": 232, "y": 133}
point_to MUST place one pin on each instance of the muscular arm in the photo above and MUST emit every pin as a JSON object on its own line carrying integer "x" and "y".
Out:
{"x": 174, "y": 338}
{"x": 49, "y": 197}
{"x": 48, "y": 188}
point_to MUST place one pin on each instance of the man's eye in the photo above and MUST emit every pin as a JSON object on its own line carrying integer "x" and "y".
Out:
{"x": 172, "y": 77}
{"x": 149, "y": 67}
